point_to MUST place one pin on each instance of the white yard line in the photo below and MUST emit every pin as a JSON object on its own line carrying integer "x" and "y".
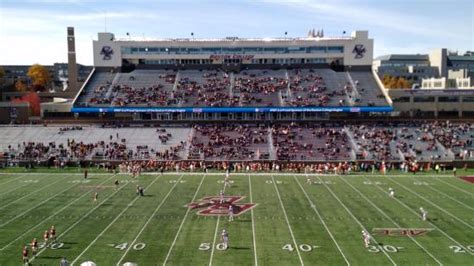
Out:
{"x": 9, "y": 181}
{"x": 37, "y": 205}
{"x": 446, "y": 195}
{"x": 455, "y": 187}
{"x": 52, "y": 215}
{"x": 389, "y": 218}
{"x": 432, "y": 224}
{"x": 215, "y": 236}
{"x": 253, "y": 225}
{"x": 15, "y": 188}
{"x": 353, "y": 217}
{"x": 29, "y": 194}
{"x": 83, "y": 217}
{"x": 182, "y": 222}
{"x": 111, "y": 223}
{"x": 439, "y": 208}
{"x": 149, "y": 220}
{"x": 287, "y": 221}
{"x": 315, "y": 209}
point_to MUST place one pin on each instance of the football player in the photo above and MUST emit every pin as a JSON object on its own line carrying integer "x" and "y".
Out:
{"x": 308, "y": 180}
{"x": 96, "y": 196}
{"x": 34, "y": 247}
{"x": 52, "y": 234}
{"x": 221, "y": 197}
{"x": 116, "y": 183}
{"x": 24, "y": 253}
{"x": 46, "y": 238}
{"x": 226, "y": 182}
{"x": 424, "y": 214}
{"x": 391, "y": 192}
{"x": 231, "y": 213}
{"x": 225, "y": 239}
{"x": 366, "y": 237}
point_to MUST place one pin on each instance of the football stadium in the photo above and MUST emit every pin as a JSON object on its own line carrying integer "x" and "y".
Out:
{"x": 241, "y": 151}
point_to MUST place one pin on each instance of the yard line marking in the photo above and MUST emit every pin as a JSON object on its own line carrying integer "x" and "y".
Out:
{"x": 446, "y": 195}
{"x": 315, "y": 209}
{"x": 253, "y": 224}
{"x": 287, "y": 221}
{"x": 389, "y": 218}
{"x": 149, "y": 220}
{"x": 15, "y": 188}
{"x": 455, "y": 187}
{"x": 83, "y": 217}
{"x": 29, "y": 194}
{"x": 182, "y": 222}
{"x": 215, "y": 235}
{"x": 52, "y": 215}
{"x": 441, "y": 209}
{"x": 353, "y": 217}
{"x": 432, "y": 224}
{"x": 9, "y": 181}
{"x": 111, "y": 223}
{"x": 37, "y": 205}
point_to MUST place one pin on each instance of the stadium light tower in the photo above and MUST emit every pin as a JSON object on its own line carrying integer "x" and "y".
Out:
{"x": 71, "y": 60}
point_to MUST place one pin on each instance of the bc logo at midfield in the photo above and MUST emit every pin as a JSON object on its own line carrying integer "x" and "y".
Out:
{"x": 210, "y": 206}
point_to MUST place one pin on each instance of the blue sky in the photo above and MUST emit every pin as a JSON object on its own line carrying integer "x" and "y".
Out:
{"x": 34, "y": 31}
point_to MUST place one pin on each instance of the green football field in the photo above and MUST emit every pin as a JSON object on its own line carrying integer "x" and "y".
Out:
{"x": 283, "y": 219}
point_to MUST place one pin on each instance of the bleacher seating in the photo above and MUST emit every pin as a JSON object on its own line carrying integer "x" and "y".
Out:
{"x": 427, "y": 142}
{"x": 248, "y": 88}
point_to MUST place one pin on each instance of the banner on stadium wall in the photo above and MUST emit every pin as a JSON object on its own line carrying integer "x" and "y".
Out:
{"x": 233, "y": 56}
{"x": 230, "y": 109}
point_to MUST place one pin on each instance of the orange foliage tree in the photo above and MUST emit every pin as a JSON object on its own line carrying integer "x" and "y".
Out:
{"x": 33, "y": 99}
{"x": 39, "y": 75}
{"x": 391, "y": 82}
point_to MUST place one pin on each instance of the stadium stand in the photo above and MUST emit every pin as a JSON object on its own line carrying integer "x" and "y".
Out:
{"x": 216, "y": 88}
{"x": 329, "y": 142}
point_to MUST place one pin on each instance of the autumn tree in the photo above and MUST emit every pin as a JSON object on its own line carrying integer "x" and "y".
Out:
{"x": 391, "y": 82}
{"x": 20, "y": 86}
{"x": 39, "y": 75}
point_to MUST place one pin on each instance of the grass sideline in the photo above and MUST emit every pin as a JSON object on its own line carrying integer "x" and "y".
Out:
{"x": 293, "y": 222}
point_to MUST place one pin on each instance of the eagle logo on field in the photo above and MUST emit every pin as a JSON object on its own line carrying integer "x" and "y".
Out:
{"x": 359, "y": 51}
{"x": 107, "y": 52}
{"x": 210, "y": 206}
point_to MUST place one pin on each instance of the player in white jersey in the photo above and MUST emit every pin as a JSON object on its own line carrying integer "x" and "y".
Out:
{"x": 391, "y": 192}
{"x": 308, "y": 180}
{"x": 221, "y": 197}
{"x": 366, "y": 236}
{"x": 231, "y": 213}
{"x": 225, "y": 239}
{"x": 227, "y": 181}
{"x": 424, "y": 214}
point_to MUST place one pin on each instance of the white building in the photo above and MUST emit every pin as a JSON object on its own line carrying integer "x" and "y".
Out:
{"x": 353, "y": 51}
